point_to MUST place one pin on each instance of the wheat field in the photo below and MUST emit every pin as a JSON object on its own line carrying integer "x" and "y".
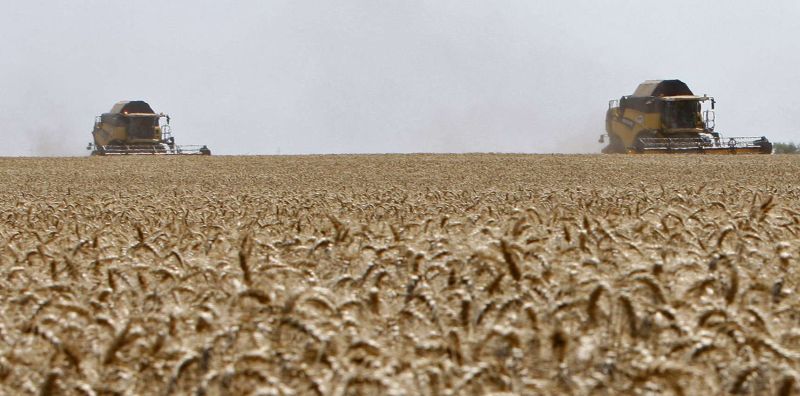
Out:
{"x": 400, "y": 275}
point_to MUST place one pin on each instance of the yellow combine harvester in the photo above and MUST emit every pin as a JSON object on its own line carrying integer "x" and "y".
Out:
{"x": 664, "y": 116}
{"x": 132, "y": 127}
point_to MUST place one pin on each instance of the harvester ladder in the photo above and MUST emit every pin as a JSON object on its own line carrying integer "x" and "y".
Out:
{"x": 166, "y": 132}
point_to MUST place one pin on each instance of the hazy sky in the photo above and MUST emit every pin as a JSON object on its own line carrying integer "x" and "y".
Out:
{"x": 328, "y": 76}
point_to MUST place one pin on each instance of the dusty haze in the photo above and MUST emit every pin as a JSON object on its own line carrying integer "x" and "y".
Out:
{"x": 266, "y": 77}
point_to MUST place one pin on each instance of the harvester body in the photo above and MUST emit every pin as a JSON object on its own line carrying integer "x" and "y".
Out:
{"x": 132, "y": 127}
{"x": 664, "y": 116}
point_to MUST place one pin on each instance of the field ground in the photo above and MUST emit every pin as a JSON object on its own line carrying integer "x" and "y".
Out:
{"x": 400, "y": 274}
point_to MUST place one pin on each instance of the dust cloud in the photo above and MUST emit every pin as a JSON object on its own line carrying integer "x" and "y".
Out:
{"x": 51, "y": 142}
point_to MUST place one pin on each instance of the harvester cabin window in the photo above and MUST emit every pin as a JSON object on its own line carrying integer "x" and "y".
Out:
{"x": 142, "y": 127}
{"x": 681, "y": 114}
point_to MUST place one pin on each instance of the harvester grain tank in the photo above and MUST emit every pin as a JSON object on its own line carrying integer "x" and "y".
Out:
{"x": 132, "y": 127}
{"x": 664, "y": 116}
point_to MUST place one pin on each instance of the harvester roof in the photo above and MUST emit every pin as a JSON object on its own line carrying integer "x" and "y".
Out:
{"x": 132, "y": 106}
{"x": 680, "y": 98}
{"x": 662, "y": 88}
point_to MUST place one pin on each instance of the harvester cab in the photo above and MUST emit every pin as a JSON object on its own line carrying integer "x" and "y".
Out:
{"x": 664, "y": 116}
{"x": 132, "y": 127}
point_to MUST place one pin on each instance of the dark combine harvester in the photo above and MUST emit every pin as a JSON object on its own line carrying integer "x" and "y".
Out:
{"x": 664, "y": 116}
{"x": 132, "y": 127}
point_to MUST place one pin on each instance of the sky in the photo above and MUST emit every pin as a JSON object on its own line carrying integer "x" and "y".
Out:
{"x": 267, "y": 77}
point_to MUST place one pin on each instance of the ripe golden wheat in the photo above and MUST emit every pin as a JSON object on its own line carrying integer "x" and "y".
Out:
{"x": 400, "y": 275}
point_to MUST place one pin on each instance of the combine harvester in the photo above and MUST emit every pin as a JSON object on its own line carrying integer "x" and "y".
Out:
{"x": 132, "y": 127}
{"x": 664, "y": 116}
